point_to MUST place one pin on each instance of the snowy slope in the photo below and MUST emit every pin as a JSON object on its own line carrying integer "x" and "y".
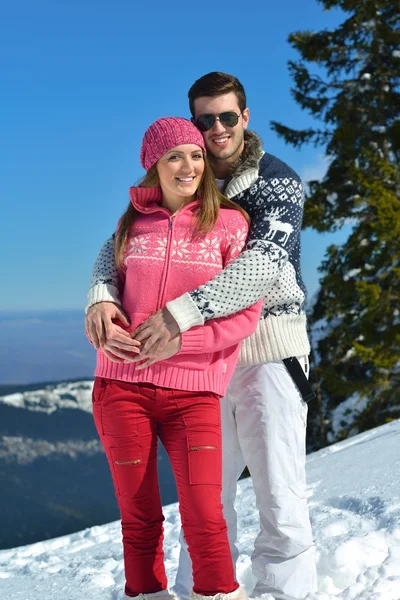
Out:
{"x": 354, "y": 497}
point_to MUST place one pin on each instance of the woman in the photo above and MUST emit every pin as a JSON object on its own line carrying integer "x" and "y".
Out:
{"x": 177, "y": 233}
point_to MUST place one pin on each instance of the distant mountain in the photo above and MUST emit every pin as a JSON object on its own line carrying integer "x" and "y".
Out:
{"x": 54, "y": 476}
{"x": 44, "y": 346}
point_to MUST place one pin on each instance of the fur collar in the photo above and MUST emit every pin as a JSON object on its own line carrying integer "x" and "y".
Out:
{"x": 245, "y": 169}
{"x": 250, "y": 156}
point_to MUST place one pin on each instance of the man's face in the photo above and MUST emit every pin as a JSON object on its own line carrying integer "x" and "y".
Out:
{"x": 222, "y": 142}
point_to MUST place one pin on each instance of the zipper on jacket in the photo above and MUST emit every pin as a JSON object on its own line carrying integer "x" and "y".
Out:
{"x": 194, "y": 448}
{"x": 165, "y": 274}
{"x": 128, "y": 462}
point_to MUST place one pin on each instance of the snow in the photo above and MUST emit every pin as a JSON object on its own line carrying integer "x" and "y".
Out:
{"x": 350, "y": 274}
{"x": 371, "y": 24}
{"x": 349, "y": 354}
{"x": 331, "y": 198}
{"x": 354, "y": 499}
{"x": 378, "y": 128}
{"x": 344, "y": 415}
{"x": 76, "y": 395}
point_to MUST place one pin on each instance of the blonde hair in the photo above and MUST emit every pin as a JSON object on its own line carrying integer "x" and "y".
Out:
{"x": 206, "y": 214}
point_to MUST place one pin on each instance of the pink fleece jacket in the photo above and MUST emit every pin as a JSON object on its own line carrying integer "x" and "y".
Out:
{"x": 163, "y": 260}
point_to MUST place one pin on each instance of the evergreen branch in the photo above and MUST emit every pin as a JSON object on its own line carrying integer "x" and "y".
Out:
{"x": 298, "y": 137}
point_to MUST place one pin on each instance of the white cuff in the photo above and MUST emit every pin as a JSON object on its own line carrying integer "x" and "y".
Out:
{"x": 185, "y": 312}
{"x": 102, "y": 292}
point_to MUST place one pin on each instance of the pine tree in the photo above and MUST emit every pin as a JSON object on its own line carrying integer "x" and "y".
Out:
{"x": 353, "y": 96}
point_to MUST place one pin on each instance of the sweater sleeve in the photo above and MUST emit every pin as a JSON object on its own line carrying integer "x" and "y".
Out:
{"x": 277, "y": 212}
{"x": 219, "y": 334}
{"x": 105, "y": 282}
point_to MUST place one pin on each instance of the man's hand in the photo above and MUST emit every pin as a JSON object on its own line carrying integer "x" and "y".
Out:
{"x": 172, "y": 348}
{"x": 157, "y": 330}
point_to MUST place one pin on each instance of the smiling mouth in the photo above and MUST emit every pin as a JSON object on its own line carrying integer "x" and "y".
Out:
{"x": 185, "y": 179}
{"x": 221, "y": 141}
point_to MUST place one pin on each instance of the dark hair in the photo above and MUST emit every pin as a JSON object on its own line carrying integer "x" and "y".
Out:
{"x": 215, "y": 84}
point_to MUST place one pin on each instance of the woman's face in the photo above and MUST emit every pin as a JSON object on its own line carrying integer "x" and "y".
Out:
{"x": 180, "y": 171}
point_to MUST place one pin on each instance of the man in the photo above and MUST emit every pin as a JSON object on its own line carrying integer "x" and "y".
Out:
{"x": 264, "y": 412}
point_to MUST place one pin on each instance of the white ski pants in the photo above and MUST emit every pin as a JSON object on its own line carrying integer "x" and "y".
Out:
{"x": 264, "y": 426}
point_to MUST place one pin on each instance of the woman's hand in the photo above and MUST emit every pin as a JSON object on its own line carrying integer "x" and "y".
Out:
{"x": 99, "y": 322}
{"x": 172, "y": 348}
{"x": 115, "y": 342}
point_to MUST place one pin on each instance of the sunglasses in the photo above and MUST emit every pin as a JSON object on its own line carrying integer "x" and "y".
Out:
{"x": 206, "y": 122}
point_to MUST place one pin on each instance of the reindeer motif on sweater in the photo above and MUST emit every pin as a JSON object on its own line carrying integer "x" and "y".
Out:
{"x": 278, "y": 226}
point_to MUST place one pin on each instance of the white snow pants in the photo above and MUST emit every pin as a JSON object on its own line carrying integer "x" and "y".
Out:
{"x": 263, "y": 426}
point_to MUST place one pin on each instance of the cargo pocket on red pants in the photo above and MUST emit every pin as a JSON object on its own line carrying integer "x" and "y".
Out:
{"x": 204, "y": 451}
{"x": 128, "y": 469}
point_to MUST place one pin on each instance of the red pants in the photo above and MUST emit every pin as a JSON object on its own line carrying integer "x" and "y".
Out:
{"x": 128, "y": 418}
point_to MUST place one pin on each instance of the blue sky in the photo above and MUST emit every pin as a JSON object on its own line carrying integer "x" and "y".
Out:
{"x": 81, "y": 81}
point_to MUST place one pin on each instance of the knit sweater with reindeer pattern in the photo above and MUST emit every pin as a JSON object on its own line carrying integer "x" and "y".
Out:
{"x": 269, "y": 267}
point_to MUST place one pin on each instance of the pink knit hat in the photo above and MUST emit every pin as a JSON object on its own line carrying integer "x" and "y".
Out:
{"x": 164, "y": 134}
